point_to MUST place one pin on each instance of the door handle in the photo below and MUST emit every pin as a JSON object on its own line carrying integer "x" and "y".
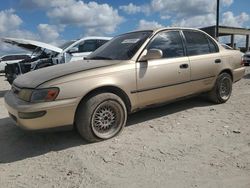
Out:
{"x": 217, "y": 61}
{"x": 184, "y": 66}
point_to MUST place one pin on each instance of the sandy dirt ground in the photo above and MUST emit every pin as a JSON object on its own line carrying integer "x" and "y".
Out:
{"x": 191, "y": 143}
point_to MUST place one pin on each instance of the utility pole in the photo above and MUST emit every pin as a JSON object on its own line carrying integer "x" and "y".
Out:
{"x": 217, "y": 19}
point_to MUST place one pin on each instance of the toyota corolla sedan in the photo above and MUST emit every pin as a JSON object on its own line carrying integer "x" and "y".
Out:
{"x": 132, "y": 71}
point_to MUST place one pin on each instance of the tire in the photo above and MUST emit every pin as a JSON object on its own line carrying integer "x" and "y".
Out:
{"x": 222, "y": 89}
{"x": 102, "y": 116}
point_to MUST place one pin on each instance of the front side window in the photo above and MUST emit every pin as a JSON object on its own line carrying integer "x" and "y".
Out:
{"x": 122, "y": 47}
{"x": 170, "y": 43}
{"x": 87, "y": 46}
{"x": 196, "y": 43}
{"x": 101, "y": 42}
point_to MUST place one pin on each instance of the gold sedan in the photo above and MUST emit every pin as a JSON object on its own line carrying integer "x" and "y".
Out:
{"x": 132, "y": 71}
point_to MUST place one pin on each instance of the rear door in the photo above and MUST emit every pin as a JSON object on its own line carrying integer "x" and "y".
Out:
{"x": 167, "y": 78}
{"x": 204, "y": 59}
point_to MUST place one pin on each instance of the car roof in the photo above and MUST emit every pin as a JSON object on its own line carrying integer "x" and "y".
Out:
{"x": 156, "y": 30}
{"x": 95, "y": 37}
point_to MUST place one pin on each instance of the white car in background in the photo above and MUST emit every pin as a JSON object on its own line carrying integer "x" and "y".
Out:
{"x": 11, "y": 58}
{"x": 47, "y": 55}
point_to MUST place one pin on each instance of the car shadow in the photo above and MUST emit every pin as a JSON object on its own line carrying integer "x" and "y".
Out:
{"x": 247, "y": 76}
{"x": 168, "y": 109}
{"x": 2, "y": 93}
{"x": 17, "y": 144}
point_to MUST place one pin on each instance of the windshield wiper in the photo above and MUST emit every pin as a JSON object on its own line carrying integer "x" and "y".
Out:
{"x": 99, "y": 58}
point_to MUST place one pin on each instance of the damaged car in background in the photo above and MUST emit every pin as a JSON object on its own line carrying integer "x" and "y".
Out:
{"x": 45, "y": 55}
{"x": 12, "y": 58}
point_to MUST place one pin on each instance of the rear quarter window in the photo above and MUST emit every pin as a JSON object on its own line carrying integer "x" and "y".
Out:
{"x": 212, "y": 45}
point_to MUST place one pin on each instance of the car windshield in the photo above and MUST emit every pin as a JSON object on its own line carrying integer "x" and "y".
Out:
{"x": 122, "y": 47}
{"x": 66, "y": 44}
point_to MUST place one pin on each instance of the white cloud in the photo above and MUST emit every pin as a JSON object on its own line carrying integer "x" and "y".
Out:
{"x": 227, "y": 2}
{"x": 229, "y": 19}
{"x": 195, "y": 21}
{"x": 10, "y": 26}
{"x": 9, "y": 20}
{"x": 176, "y": 8}
{"x": 131, "y": 8}
{"x": 49, "y": 33}
{"x": 143, "y": 24}
{"x": 40, "y": 4}
{"x": 183, "y": 8}
{"x": 194, "y": 13}
{"x": 93, "y": 17}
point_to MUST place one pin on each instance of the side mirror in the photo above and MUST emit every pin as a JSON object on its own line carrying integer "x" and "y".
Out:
{"x": 73, "y": 50}
{"x": 151, "y": 54}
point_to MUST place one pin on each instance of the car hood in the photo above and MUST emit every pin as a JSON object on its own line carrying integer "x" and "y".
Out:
{"x": 35, "y": 78}
{"x": 31, "y": 45}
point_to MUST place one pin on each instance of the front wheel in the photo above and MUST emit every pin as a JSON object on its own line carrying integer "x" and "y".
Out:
{"x": 101, "y": 117}
{"x": 222, "y": 89}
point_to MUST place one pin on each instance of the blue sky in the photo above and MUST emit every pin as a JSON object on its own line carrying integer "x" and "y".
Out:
{"x": 55, "y": 21}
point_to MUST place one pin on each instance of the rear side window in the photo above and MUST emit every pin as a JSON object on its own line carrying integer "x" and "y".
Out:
{"x": 169, "y": 42}
{"x": 197, "y": 43}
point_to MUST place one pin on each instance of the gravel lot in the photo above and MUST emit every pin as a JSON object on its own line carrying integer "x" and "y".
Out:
{"x": 190, "y": 143}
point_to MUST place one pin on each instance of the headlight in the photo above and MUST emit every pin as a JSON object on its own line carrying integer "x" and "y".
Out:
{"x": 23, "y": 94}
{"x": 37, "y": 95}
{"x": 44, "y": 95}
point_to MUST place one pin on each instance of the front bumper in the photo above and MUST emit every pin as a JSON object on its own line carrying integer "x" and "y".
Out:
{"x": 57, "y": 113}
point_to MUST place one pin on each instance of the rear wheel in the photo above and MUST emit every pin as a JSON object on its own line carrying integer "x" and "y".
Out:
{"x": 222, "y": 89}
{"x": 101, "y": 117}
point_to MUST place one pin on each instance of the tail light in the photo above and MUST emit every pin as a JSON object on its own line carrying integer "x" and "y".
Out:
{"x": 243, "y": 61}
